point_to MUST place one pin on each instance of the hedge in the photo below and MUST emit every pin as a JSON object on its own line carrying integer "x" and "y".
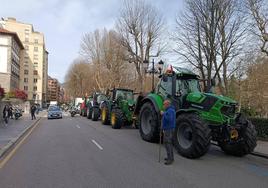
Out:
{"x": 261, "y": 125}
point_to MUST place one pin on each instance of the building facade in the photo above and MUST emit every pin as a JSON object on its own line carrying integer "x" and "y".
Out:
{"x": 10, "y": 52}
{"x": 53, "y": 90}
{"x": 33, "y": 61}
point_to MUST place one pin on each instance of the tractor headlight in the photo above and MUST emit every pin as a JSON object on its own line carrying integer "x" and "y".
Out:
{"x": 228, "y": 110}
{"x": 131, "y": 107}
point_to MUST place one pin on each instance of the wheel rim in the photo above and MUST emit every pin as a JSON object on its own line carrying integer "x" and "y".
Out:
{"x": 146, "y": 121}
{"x": 113, "y": 119}
{"x": 185, "y": 135}
{"x": 103, "y": 114}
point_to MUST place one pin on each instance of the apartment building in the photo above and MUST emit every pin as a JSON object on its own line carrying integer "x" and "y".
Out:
{"x": 10, "y": 51}
{"x": 53, "y": 89}
{"x": 33, "y": 61}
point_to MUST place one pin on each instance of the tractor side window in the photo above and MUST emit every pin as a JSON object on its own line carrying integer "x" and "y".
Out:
{"x": 165, "y": 86}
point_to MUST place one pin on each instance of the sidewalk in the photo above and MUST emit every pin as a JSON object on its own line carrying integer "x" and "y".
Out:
{"x": 262, "y": 147}
{"x": 14, "y": 130}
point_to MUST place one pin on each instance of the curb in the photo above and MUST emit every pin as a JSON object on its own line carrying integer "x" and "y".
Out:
{"x": 12, "y": 142}
{"x": 257, "y": 154}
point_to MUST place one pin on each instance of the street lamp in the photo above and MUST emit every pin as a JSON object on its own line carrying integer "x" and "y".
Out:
{"x": 153, "y": 70}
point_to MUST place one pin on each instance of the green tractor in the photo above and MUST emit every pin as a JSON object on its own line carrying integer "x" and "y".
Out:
{"x": 200, "y": 117}
{"x": 118, "y": 110}
{"x": 93, "y": 107}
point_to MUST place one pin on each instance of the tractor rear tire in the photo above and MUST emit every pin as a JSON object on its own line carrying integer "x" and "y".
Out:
{"x": 117, "y": 118}
{"x": 192, "y": 136}
{"x": 149, "y": 123}
{"x": 95, "y": 113}
{"x": 105, "y": 115}
{"x": 246, "y": 145}
{"x": 89, "y": 111}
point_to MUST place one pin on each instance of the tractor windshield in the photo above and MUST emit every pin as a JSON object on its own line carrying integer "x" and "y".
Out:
{"x": 188, "y": 86}
{"x": 126, "y": 95}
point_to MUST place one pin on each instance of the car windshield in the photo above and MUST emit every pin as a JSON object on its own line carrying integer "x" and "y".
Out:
{"x": 54, "y": 108}
{"x": 127, "y": 95}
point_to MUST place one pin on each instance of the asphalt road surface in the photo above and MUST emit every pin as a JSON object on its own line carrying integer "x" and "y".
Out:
{"x": 77, "y": 152}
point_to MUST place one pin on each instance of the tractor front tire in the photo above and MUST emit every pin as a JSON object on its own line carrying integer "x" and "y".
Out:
{"x": 117, "y": 118}
{"x": 89, "y": 111}
{"x": 247, "y": 144}
{"x": 105, "y": 115}
{"x": 149, "y": 123}
{"x": 95, "y": 113}
{"x": 192, "y": 136}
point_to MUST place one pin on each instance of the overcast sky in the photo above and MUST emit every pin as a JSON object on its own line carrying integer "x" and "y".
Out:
{"x": 64, "y": 22}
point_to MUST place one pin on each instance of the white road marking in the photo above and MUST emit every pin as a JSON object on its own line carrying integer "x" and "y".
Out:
{"x": 78, "y": 126}
{"x": 97, "y": 144}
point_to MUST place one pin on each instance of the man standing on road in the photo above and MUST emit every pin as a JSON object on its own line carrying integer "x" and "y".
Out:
{"x": 33, "y": 109}
{"x": 169, "y": 123}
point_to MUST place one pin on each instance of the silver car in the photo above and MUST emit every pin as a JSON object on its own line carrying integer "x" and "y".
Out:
{"x": 54, "y": 112}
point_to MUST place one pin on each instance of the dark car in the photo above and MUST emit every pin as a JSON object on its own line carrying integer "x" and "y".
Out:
{"x": 54, "y": 112}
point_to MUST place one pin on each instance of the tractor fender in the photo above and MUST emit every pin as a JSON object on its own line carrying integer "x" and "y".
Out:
{"x": 145, "y": 100}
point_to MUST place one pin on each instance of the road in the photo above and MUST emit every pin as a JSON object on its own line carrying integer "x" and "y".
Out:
{"x": 77, "y": 152}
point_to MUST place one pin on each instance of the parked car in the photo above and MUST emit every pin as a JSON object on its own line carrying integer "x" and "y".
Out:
{"x": 54, "y": 112}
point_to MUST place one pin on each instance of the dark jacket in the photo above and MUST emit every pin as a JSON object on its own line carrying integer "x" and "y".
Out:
{"x": 33, "y": 109}
{"x": 169, "y": 118}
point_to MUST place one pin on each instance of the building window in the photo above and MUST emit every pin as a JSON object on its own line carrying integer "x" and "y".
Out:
{"x": 26, "y": 39}
{"x": 26, "y": 47}
{"x": 35, "y": 88}
{"x": 36, "y": 41}
{"x": 35, "y": 80}
{"x": 27, "y": 31}
{"x": 34, "y": 96}
{"x": 26, "y": 72}
{"x": 36, "y": 49}
{"x": 26, "y": 88}
{"x": 35, "y": 57}
{"x": 26, "y": 57}
{"x": 26, "y": 80}
{"x": 35, "y": 72}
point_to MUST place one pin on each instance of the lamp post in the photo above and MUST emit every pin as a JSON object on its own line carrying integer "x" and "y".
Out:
{"x": 145, "y": 66}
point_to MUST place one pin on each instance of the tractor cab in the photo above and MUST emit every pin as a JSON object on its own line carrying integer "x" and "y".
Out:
{"x": 176, "y": 84}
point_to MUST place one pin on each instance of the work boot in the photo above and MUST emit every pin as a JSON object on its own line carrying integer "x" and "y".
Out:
{"x": 169, "y": 162}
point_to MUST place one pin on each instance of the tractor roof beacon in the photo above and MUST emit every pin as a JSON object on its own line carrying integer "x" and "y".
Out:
{"x": 200, "y": 117}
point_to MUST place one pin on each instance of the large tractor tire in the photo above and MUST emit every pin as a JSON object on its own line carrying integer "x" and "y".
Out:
{"x": 89, "y": 111}
{"x": 95, "y": 114}
{"x": 149, "y": 123}
{"x": 192, "y": 136}
{"x": 117, "y": 118}
{"x": 248, "y": 142}
{"x": 105, "y": 115}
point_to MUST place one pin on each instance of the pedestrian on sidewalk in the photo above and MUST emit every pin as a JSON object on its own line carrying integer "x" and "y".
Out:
{"x": 33, "y": 109}
{"x": 5, "y": 114}
{"x": 10, "y": 112}
{"x": 169, "y": 123}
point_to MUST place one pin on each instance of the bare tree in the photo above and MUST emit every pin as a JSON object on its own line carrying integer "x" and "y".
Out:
{"x": 259, "y": 13}
{"x": 140, "y": 26}
{"x": 104, "y": 51}
{"x": 208, "y": 36}
{"x": 78, "y": 78}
